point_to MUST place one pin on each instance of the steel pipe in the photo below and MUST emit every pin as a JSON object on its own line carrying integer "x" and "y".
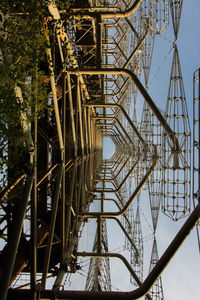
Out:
{"x": 110, "y": 105}
{"x": 120, "y": 124}
{"x": 144, "y": 93}
{"x": 116, "y": 203}
{"x": 146, "y": 285}
{"x": 52, "y": 227}
{"x": 108, "y": 15}
{"x": 80, "y": 115}
{"x": 128, "y": 203}
{"x": 61, "y": 32}
{"x": 114, "y": 255}
{"x": 123, "y": 181}
{"x": 136, "y": 49}
{"x": 72, "y": 114}
{"x": 110, "y": 126}
{"x": 111, "y": 179}
{"x": 7, "y": 268}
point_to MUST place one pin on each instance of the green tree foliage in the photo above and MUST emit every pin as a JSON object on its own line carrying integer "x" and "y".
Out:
{"x": 23, "y": 62}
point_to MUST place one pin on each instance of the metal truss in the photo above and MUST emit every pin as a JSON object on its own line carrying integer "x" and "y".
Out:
{"x": 99, "y": 269}
{"x": 137, "y": 260}
{"x": 97, "y": 56}
{"x": 157, "y": 290}
{"x": 176, "y": 175}
{"x": 176, "y": 9}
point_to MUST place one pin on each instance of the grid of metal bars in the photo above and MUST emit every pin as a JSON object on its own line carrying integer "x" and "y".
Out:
{"x": 101, "y": 52}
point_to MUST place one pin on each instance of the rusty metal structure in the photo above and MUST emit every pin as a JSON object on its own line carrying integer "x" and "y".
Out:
{"x": 77, "y": 185}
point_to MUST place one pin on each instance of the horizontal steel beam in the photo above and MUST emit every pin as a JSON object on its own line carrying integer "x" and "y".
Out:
{"x": 135, "y": 294}
{"x": 110, "y": 190}
{"x": 110, "y": 105}
{"x": 118, "y": 121}
{"x": 115, "y": 255}
{"x": 107, "y": 15}
{"x": 128, "y": 203}
{"x": 143, "y": 92}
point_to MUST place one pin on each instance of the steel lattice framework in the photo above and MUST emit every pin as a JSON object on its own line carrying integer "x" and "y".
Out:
{"x": 97, "y": 56}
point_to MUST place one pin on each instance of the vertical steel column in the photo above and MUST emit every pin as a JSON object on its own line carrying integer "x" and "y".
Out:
{"x": 72, "y": 113}
{"x": 99, "y": 41}
{"x": 69, "y": 207}
{"x": 63, "y": 201}
{"x": 81, "y": 197}
{"x": 86, "y": 128}
{"x": 80, "y": 115}
{"x": 99, "y": 34}
{"x": 63, "y": 270}
{"x": 15, "y": 238}
{"x": 53, "y": 87}
{"x": 33, "y": 240}
{"x": 89, "y": 129}
{"x": 86, "y": 178}
{"x": 52, "y": 227}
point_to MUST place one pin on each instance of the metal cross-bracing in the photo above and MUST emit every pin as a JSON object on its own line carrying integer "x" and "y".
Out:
{"x": 176, "y": 9}
{"x": 176, "y": 172}
{"x": 98, "y": 278}
{"x": 157, "y": 290}
{"x": 196, "y": 141}
{"x": 137, "y": 258}
{"x": 94, "y": 158}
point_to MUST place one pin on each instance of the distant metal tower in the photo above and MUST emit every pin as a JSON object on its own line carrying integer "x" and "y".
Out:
{"x": 98, "y": 278}
{"x": 176, "y": 160}
{"x": 157, "y": 289}
{"x": 137, "y": 258}
{"x": 176, "y": 9}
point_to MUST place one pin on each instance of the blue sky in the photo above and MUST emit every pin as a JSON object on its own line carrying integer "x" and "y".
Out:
{"x": 181, "y": 277}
